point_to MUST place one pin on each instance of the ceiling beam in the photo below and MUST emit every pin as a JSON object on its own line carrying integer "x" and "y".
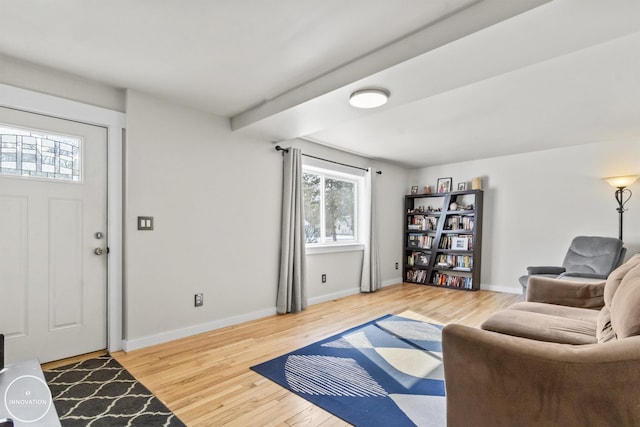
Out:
{"x": 474, "y": 18}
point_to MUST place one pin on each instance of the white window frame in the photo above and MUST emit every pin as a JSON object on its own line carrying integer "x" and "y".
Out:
{"x": 344, "y": 173}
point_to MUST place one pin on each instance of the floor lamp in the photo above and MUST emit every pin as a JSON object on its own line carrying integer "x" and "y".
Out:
{"x": 622, "y": 194}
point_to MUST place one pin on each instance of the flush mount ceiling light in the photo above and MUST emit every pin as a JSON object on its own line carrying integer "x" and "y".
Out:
{"x": 369, "y": 98}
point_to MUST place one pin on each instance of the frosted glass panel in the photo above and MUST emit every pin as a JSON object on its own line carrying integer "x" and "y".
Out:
{"x": 32, "y": 153}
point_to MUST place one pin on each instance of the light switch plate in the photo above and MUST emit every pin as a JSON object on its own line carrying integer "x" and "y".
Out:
{"x": 145, "y": 223}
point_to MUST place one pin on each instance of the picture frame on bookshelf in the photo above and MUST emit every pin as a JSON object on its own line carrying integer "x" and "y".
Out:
{"x": 462, "y": 186}
{"x": 459, "y": 244}
{"x": 444, "y": 185}
{"x": 422, "y": 259}
{"x": 414, "y": 189}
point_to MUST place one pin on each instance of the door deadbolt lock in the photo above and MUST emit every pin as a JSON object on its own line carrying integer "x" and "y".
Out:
{"x": 99, "y": 235}
{"x": 98, "y": 251}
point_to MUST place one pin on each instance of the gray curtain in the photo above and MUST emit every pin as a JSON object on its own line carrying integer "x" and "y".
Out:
{"x": 370, "y": 280}
{"x": 292, "y": 292}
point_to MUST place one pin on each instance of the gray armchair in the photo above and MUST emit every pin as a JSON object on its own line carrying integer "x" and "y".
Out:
{"x": 588, "y": 258}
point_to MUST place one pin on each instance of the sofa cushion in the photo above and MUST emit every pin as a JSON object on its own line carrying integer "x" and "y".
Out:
{"x": 544, "y": 327}
{"x": 625, "y": 305}
{"x": 564, "y": 311}
{"x": 604, "y": 330}
{"x": 616, "y": 276}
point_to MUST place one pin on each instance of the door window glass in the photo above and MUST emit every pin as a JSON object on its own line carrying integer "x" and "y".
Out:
{"x": 31, "y": 153}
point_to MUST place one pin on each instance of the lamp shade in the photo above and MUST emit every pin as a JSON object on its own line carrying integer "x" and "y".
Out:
{"x": 622, "y": 181}
{"x": 369, "y": 98}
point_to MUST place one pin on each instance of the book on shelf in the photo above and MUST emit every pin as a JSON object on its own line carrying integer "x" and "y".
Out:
{"x": 418, "y": 258}
{"x": 455, "y": 262}
{"x": 421, "y": 241}
{"x": 460, "y": 242}
{"x": 431, "y": 222}
{"x": 422, "y": 223}
{"x": 417, "y": 276}
{"x": 452, "y": 281}
{"x": 459, "y": 222}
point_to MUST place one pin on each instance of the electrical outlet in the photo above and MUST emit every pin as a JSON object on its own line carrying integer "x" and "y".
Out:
{"x": 396, "y": 265}
{"x": 324, "y": 278}
{"x": 198, "y": 300}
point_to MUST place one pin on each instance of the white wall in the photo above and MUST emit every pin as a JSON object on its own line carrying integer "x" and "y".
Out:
{"x": 216, "y": 198}
{"x": 535, "y": 203}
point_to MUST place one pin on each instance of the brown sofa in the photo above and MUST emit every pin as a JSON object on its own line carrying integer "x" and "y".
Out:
{"x": 568, "y": 356}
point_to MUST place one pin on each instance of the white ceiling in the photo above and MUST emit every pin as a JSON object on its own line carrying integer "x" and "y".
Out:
{"x": 469, "y": 79}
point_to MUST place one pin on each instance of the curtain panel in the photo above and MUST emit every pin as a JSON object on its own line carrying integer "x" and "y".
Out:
{"x": 292, "y": 292}
{"x": 370, "y": 280}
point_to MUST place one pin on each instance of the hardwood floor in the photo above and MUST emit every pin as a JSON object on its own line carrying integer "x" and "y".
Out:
{"x": 206, "y": 380}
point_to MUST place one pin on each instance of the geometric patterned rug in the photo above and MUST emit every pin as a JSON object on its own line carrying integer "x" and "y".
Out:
{"x": 101, "y": 393}
{"x": 387, "y": 372}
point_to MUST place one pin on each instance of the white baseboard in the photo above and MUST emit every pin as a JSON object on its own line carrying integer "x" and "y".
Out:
{"x": 505, "y": 289}
{"x": 138, "y": 343}
{"x": 335, "y": 295}
{"x": 392, "y": 281}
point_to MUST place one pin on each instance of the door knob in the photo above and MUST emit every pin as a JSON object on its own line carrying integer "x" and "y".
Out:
{"x": 98, "y": 251}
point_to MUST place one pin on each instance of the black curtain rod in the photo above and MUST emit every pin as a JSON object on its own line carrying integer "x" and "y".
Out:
{"x": 286, "y": 150}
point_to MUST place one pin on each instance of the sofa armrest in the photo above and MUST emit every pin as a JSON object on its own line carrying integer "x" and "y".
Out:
{"x": 595, "y": 276}
{"x": 545, "y": 269}
{"x": 566, "y": 292}
{"x": 500, "y": 380}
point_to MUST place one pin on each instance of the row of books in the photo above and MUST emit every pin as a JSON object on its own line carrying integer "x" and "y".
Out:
{"x": 459, "y": 222}
{"x": 423, "y": 223}
{"x": 420, "y": 241}
{"x": 417, "y": 276}
{"x": 456, "y": 262}
{"x": 418, "y": 258}
{"x": 460, "y": 242}
{"x": 452, "y": 281}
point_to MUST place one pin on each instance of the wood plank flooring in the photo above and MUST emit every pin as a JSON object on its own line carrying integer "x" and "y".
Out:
{"x": 206, "y": 380}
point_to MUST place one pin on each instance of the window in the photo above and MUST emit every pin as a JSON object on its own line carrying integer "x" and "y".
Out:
{"x": 36, "y": 154}
{"x": 330, "y": 206}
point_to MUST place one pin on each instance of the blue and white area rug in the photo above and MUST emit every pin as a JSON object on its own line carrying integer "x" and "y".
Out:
{"x": 387, "y": 372}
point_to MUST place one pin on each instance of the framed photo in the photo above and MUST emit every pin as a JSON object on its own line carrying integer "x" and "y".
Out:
{"x": 444, "y": 185}
{"x": 462, "y": 186}
{"x": 459, "y": 244}
{"x": 414, "y": 189}
{"x": 422, "y": 259}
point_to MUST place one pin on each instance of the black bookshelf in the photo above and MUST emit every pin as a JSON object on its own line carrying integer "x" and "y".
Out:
{"x": 443, "y": 239}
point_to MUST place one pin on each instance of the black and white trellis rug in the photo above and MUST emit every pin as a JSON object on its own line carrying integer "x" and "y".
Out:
{"x": 100, "y": 392}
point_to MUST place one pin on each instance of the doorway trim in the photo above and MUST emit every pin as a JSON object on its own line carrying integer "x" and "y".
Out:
{"x": 115, "y": 123}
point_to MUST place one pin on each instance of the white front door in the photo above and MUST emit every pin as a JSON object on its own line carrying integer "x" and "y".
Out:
{"x": 53, "y": 254}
